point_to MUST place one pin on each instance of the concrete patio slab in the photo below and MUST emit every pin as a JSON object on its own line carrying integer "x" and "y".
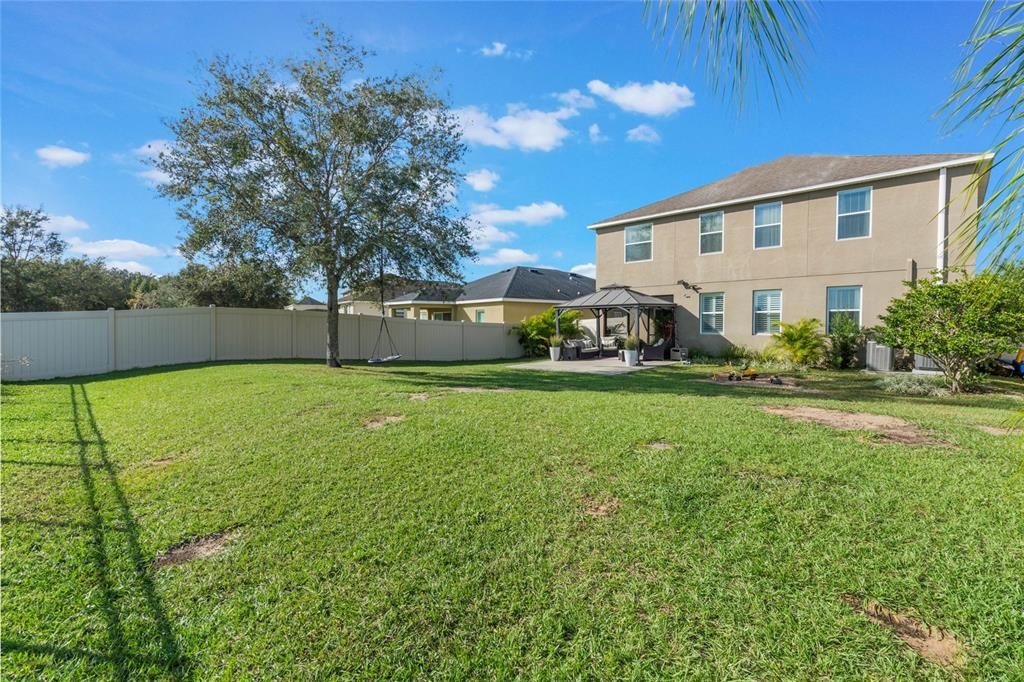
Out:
{"x": 596, "y": 366}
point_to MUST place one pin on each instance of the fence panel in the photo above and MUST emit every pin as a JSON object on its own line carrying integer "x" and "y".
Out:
{"x": 148, "y": 338}
{"x": 64, "y": 344}
{"x": 47, "y": 345}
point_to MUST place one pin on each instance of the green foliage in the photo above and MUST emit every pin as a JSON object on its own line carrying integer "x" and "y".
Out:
{"x": 845, "y": 339}
{"x": 631, "y": 343}
{"x": 535, "y": 332}
{"x": 246, "y": 284}
{"x": 555, "y": 341}
{"x": 900, "y": 383}
{"x": 958, "y": 323}
{"x": 340, "y": 174}
{"x": 801, "y": 343}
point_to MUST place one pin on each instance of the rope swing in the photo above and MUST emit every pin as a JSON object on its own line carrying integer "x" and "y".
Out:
{"x": 375, "y": 357}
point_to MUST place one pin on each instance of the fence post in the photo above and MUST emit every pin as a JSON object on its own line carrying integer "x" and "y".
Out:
{"x": 462, "y": 324}
{"x": 213, "y": 333}
{"x": 415, "y": 339}
{"x": 111, "y": 340}
{"x": 359, "y": 335}
{"x": 292, "y": 324}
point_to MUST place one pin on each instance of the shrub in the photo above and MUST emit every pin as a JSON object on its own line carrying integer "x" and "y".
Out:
{"x": 844, "y": 340}
{"x": 555, "y": 340}
{"x": 801, "y": 343}
{"x": 958, "y": 323}
{"x": 535, "y": 332}
{"x": 912, "y": 384}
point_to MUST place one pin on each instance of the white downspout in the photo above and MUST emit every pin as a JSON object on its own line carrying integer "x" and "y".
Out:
{"x": 942, "y": 227}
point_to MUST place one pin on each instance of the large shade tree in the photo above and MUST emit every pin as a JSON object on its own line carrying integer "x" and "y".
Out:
{"x": 321, "y": 167}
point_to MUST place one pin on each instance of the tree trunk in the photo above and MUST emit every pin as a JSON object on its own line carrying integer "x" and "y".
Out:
{"x": 332, "y": 320}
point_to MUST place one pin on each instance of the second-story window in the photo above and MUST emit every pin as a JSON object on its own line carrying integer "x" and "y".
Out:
{"x": 768, "y": 225}
{"x": 639, "y": 243}
{"x": 853, "y": 213}
{"x": 712, "y": 232}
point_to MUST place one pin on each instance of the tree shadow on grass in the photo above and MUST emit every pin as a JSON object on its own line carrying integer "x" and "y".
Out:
{"x": 147, "y": 647}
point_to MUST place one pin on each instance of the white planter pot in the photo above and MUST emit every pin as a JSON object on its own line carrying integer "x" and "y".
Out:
{"x": 631, "y": 357}
{"x": 556, "y": 353}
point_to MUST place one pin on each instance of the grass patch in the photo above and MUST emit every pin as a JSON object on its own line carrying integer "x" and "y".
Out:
{"x": 521, "y": 528}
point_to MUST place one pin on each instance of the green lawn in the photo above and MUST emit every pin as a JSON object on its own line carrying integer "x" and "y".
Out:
{"x": 498, "y": 534}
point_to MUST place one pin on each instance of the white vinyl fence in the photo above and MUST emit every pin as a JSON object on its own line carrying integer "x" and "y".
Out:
{"x": 47, "y": 345}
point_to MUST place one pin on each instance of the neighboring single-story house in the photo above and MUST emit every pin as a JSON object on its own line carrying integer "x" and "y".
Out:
{"x": 308, "y": 303}
{"x": 507, "y": 296}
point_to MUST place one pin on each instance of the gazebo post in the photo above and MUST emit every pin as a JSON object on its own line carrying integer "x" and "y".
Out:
{"x": 558, "y": 314}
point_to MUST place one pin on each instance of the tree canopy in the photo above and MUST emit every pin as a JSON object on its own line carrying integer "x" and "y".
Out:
{"x": 328, "y": 171}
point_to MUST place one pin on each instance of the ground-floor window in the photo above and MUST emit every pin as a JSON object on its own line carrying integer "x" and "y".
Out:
{"x": 712, "y": 313}
{"x": 479, "y": 316}
{"x": 767, "y": 311}
{"x": 398, "y": 312}
{"x": 442, "y": 316}
{"x": 842, "y": 301}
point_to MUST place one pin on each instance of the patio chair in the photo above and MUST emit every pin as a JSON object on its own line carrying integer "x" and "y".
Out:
{"x": 654, "y": 351}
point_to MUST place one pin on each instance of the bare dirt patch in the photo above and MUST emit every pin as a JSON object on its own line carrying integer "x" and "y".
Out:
{"x": 596, "y": 508}
{"x": 995, "y": 430}
{"x": 381, "y": 420}
{"x": 420, "y": 397}
{"x": 658, "y": 445}
{"x": 892, "y": 429}
{"x": 934, "y": 644}
{"x": 160, "y": 462}
{"x": 196, "y": 548}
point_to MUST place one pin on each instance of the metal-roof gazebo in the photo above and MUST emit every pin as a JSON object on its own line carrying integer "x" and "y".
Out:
{"x": 614, "y": 297}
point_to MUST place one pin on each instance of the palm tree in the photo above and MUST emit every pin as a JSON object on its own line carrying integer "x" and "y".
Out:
{"x": 739, "y": 40}
{"x": 990, "y": 90}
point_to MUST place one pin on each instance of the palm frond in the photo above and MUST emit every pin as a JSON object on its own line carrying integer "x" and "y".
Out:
{"x": 737, "y": 40}
{"x": 990, "y": 90}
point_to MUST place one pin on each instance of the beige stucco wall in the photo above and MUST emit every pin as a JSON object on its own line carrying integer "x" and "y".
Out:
{"x": 903, "y": 227}
{"x": 509, "y": 311}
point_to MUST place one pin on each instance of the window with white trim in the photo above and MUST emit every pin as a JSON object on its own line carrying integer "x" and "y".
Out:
{"x": 639, "y": 243}
{"x": 842, "y": 302}
{"x": 398, "y": 312}
{"x": 767, "y": 311}
{"x": 446, "y": 317}
{"x": 853, "y": 213}
{"x": 768, "y": 225}
{"x": 712, "y": 313}
{"x": 479, "y": 315}
{"x": 712, "y": 232}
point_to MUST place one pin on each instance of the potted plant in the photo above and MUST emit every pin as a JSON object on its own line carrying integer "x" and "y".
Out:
{"x": 555, "y": 347}
{"x": 631, "y": 351}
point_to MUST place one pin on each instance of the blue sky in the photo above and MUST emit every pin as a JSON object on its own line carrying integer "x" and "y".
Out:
{"x": 86, "y": 87}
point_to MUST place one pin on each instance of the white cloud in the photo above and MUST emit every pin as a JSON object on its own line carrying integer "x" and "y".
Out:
{"x": 557, "y": 254}
{"x": 120, "y": 249}
{"x": 528, "y": 214}
{"x": 508, "y": 257}
{"x": 499, "y": 49}
{"x": 643, "y": 133}
{"x": 131, "y": 266}
{"x": 576, "y": 99}
{"x": 653, "y": 99}
{"x": 485, "y": 236}
{"x": 585, "y": 269}
{"x": 482, "y": 180}
{"x": 65, "y": 223}
{"x": 53, "y": 156}
{"x": 522, "y": 128}
{"x": 495, "y": 49}
{"x": 153, "y": 149}
{"x": 595, "y": 134}
{"x": 154, "y": 176}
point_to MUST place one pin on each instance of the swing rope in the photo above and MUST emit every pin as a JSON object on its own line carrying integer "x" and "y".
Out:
{"x": 376, "y": 359}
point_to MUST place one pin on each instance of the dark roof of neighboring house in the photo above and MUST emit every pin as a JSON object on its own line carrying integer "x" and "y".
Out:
{"x": 541, "y": 284}
{"x": 309, "y": 300}
{"x": 789, "y": 173}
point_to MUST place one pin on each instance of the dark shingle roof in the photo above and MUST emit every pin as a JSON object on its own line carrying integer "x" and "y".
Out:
{"x": 542, "y": 284}
{"x": 309, "y": 300}
{"x": 616, "y": 296}
{"x": 788, "y": 173}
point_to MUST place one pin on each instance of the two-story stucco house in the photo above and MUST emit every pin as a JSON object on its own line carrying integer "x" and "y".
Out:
{"x": 801, "y": 236}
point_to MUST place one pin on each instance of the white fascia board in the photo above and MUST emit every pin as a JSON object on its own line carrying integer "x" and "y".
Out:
{"x": 507, "y": 300}
{"x": 798, "y": 190}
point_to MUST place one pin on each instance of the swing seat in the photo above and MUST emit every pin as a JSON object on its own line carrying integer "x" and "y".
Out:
{"x": 381, "y": 361}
